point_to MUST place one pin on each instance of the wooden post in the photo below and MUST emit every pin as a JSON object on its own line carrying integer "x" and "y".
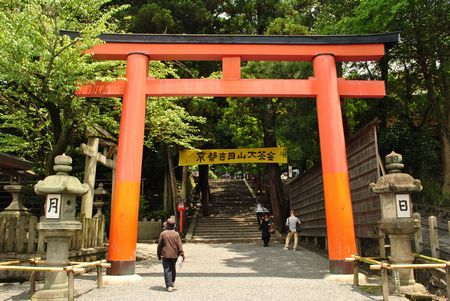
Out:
{"x": 356, "y": 273}
{"x": 20, "y": 233}
{"x": 382, "y": 243}
{"x": 11, "y": 230}
{"x": 385, "y": 284}
{"x": 32, "y": 282}
{"x": 99, "y": 276}
{"x": 84, "y": 225}
{"x": 90, "y": 169}
{"x": 447, "y": 279}
{"x": 418, "y": 235}
{"x": 71, "y": 279}
{"x": 102, "y": 231}
{"x": 448, "y": 225}
{"x": 434, "y": 237}
{"x": 31, "y": 234}
{"x": 358, "y": 246}
{"x": 2, "y": 232}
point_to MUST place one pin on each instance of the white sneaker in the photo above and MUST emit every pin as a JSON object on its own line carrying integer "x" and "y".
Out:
{"x": 170, "y": 289}
{"x": 285, "y": 248}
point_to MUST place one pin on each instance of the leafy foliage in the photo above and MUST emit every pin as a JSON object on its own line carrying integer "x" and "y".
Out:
{"x": 417, "y": 81}
{"x": 40, "y": 70}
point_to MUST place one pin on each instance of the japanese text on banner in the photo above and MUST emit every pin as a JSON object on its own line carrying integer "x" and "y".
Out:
{"x": 227, "y": 156}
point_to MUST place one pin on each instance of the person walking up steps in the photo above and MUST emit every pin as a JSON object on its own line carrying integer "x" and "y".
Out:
{"x": 291, "y": 223}
{"x": 259, "y": 213}
{"x": 266, "y": 225}
{"x": 169, "y": 248}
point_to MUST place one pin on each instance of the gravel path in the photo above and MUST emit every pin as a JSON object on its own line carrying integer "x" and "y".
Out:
{"x": 222, "y": 272}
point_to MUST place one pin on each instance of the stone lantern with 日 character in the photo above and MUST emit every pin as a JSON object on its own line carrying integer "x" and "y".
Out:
{"x": 397, "y": 220}
{"x": 59, "y": 224}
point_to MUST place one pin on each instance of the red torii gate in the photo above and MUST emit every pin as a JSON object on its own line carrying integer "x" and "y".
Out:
{"x": 322, "y": 51}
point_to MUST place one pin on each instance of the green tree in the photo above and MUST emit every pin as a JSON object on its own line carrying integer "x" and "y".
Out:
{"x": 417, "y": 81}
{"x": 40, "y": 70}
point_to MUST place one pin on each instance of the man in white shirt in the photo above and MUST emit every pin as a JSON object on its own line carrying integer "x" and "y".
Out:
{"x": 259, "y": 213}
{"x": 291, "y": 223}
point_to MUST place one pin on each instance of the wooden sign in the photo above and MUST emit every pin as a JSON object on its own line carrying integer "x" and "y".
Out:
{"x": 403, "y": 205}
{"x": 53, "y": 206}
{"x": 229, "y": 156}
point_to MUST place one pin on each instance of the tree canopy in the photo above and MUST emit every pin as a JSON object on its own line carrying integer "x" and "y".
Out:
{"x": 40, "y": 69}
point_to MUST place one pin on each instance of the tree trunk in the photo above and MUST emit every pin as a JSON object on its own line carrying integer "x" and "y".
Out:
{"x": 173, "y": 182}
{"x": 166, "y": 194}
{"x": 443, "y": 115}
{"x": 274, "y": 182}
{"x": 204, "y": 187}
{"x": 185, "y": 185}
{"x": 276, "y": 195}
{"x": 443, "y": 75}
{"x": 446, "y": 165}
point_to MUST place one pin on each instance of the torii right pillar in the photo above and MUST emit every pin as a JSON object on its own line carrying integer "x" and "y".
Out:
{"x": 336, "y": 184}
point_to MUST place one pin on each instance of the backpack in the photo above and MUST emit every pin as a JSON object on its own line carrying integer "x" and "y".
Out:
{"x": 298, "y": 227}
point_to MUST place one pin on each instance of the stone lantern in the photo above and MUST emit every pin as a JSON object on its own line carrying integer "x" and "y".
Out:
{"x": 58, "y": 225}
{"x": 397, "y": 221}
{"x": 16, "y": 208}
{"x": 99, "y": 194}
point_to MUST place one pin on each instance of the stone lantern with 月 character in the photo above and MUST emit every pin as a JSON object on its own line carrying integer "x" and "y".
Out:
{"x": 397, "y": 220}
{"x": 58, "y": 224}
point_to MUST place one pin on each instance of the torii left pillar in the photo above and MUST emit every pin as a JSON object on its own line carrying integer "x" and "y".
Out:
{"x": 125, "y": 203}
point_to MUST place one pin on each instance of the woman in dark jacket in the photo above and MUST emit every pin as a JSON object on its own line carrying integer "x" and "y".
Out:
{"x": 265, "y": 227}
{"x": 169, "y": 248}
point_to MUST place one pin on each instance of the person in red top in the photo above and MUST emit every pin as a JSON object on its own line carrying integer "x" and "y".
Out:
{"x": 169, "y": 248}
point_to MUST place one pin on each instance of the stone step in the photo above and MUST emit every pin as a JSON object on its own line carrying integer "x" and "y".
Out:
{"x": 214, "y": 235}
{"x": 237, "y": 227}
{"x": 230, "y": 217}
{"x": 227, "y": 231}
{"x": 218, "y": 223}
{"x": 220, "y": 240}
{"x": 233, "y": 219}
{"x": 233, "y": 206}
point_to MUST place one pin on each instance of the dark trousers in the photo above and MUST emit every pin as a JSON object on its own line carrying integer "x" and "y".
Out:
{"x": 169, "y": 270}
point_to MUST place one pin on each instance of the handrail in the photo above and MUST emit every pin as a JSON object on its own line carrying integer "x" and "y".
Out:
{"x": 385, "y": 266}
{"x": 72, "y": 269}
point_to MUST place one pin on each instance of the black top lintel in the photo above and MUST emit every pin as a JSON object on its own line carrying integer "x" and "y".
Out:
{"x": 388, "y": 39}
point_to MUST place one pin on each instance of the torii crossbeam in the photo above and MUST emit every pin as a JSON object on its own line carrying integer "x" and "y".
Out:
{"x": 325, "y": 86}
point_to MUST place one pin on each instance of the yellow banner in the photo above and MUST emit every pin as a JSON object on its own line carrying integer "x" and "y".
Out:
{"x": 228, "y": 156}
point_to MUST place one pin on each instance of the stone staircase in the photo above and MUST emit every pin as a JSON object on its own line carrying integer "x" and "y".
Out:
{"x": 232, "y": 218}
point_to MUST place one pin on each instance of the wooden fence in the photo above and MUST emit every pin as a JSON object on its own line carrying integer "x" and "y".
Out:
{"x": 149, "y": 230}
{"x": 306, "y": 191}
{"x": 433, "y": 237}
{"x": 18, "y": 234}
